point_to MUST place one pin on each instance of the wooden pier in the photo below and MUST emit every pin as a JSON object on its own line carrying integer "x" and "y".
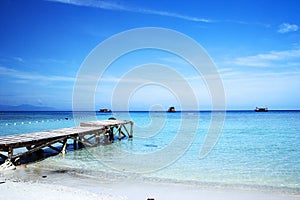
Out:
{"x": 88, "y": 134}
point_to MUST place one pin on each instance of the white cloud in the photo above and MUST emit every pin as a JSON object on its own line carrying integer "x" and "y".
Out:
{"x": 118, "y": 7}
{"x": 27, "y": 76}
{"x": 268, "y": 59}
{"x": 19, "y": 59}
{"x": 175, "y": 15}
{"x": 286, "y": 27}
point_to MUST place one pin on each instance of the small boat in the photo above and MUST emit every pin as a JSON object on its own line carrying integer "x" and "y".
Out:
{"x": 261, "y": 109}
{"x": 105, "y": 110}
{"x": 171, "y": 109}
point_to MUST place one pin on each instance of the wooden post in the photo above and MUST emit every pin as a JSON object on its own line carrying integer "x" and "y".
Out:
{"x": 80, "y": 144}
{"x": 109, "y": 131}
{"x": 10, "y": 152}
{"x": 105, "y": 138}
{"x": 64, "y": 148}
{"x": 75, "y": 142}
{"x": 131, "y": 130}
{"x": 120, "y": 132}
{"x": 97, "y": 138}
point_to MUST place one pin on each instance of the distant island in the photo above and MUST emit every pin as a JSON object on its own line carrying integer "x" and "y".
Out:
{"x": 25, "y": 107}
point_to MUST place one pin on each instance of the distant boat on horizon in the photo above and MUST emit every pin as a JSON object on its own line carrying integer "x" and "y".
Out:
{"x": 261, "y": 109}
{"x": 172, "y": 109}
{"x": 105, "y": 110}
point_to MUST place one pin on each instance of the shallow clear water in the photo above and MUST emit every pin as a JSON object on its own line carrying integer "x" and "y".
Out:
{"x": 257, "y": 150}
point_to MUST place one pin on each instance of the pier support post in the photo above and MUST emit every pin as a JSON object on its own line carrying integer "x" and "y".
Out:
{"x": 80, "y": 144}
{"x": 75, "y": 142}
{"x": 97, "y": 138}
{"x": 10, "y": 152}
{"x": 64, "y": 148}
{"x": 131, "y": 130}
{"x": 120, "y": 132}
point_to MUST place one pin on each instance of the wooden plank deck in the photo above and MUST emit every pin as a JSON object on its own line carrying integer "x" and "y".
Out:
{"x": 118, "y": 124}
{"x": 88, "y": 134}
{"x": 104, "y": 123}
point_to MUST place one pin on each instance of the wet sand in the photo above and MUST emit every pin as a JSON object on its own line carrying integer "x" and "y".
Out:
{"x": 32, "y": 183}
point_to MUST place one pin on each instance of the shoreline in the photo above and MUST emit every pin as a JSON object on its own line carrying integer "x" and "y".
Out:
{"x": 31, "y": 182}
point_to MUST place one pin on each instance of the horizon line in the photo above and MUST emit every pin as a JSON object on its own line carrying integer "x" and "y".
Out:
{"x": 97, "y": 111}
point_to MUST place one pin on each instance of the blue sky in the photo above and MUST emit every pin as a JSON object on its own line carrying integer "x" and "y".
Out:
{"x": 254, "y": 44}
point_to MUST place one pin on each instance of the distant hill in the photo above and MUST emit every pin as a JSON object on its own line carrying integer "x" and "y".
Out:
{"x": 25, "y": 107}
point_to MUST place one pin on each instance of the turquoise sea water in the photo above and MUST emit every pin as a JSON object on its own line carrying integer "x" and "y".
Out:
{"x": 255, "y": 150}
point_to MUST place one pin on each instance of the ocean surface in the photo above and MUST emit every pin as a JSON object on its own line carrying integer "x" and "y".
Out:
{"x": 254, "y": 150}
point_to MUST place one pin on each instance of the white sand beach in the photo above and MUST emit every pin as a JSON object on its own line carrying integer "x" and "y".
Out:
{"x": 44, "y": 185}
{"x": 30, "y": 191}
